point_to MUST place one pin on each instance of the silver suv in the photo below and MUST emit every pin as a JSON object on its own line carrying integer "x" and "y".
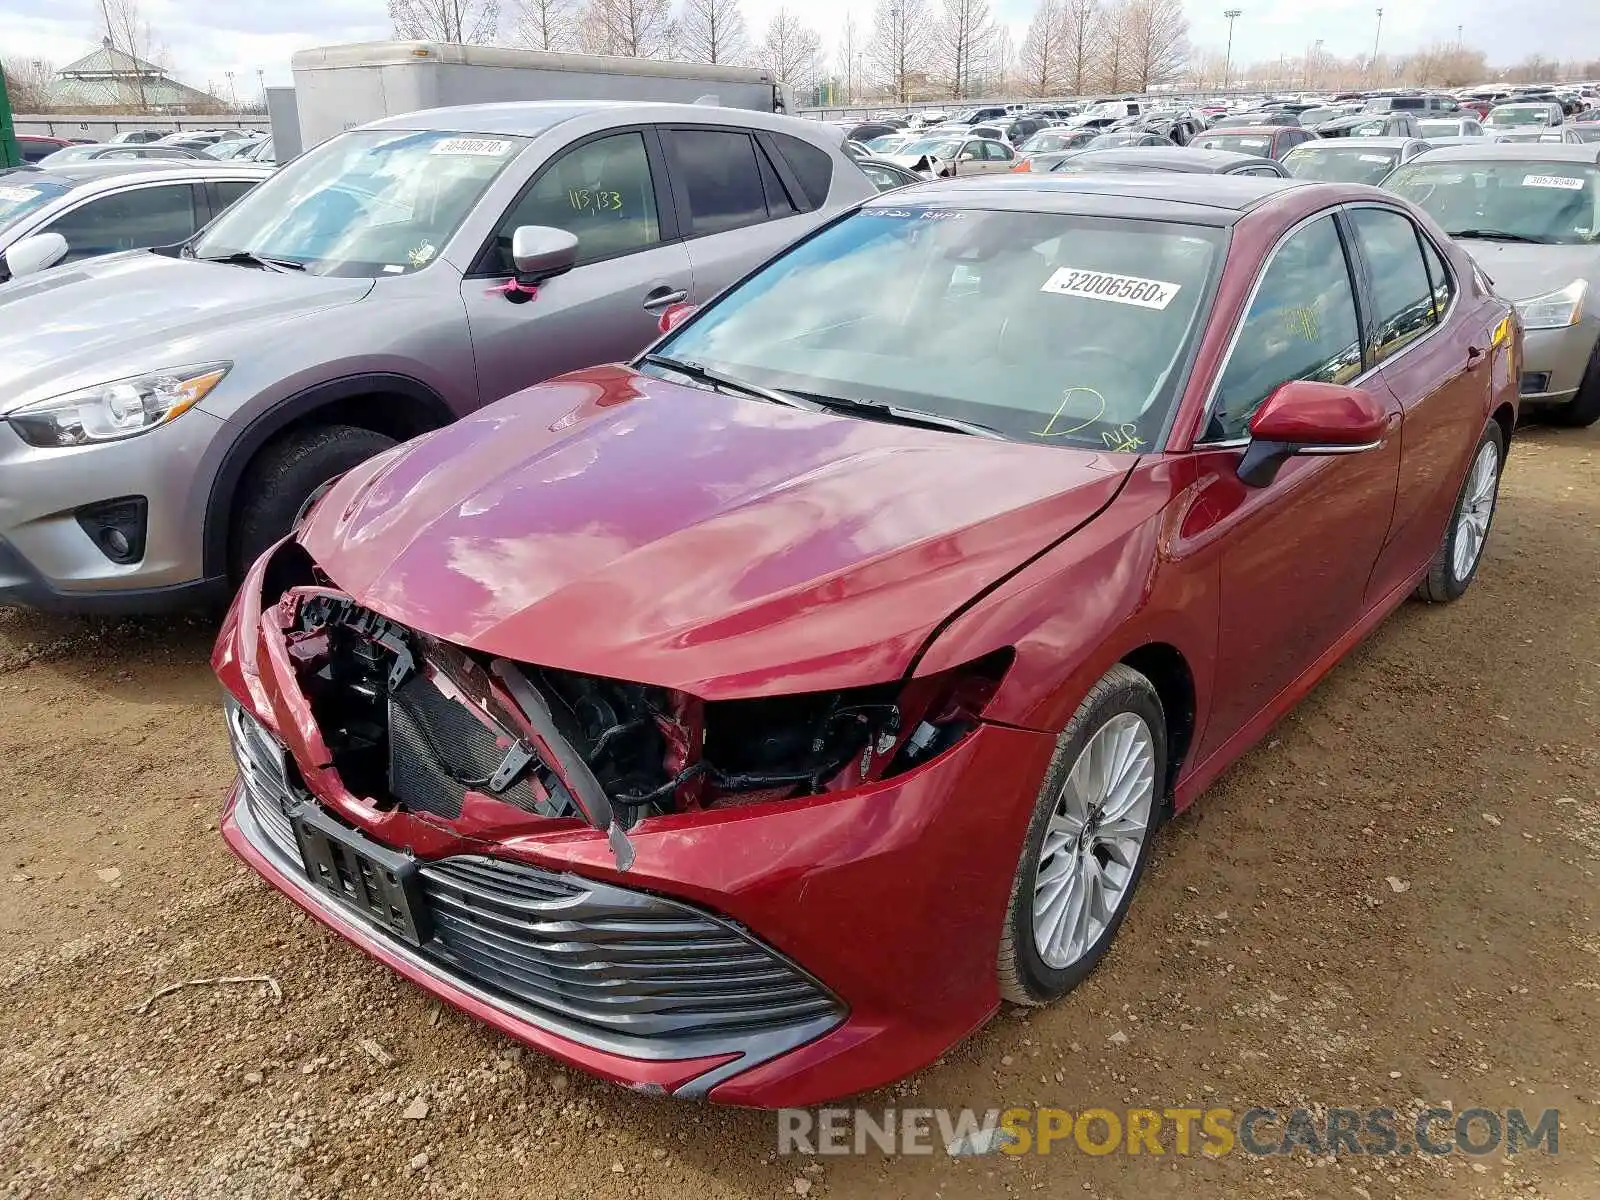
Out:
{"x": 164, "y": 414}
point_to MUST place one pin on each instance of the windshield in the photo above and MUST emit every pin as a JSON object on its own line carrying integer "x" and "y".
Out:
{"x": 1111, "y": 140}
{"x": 1537, "y": 201}
{"x": 1239, "y": 143}
{"x": 371, "y": 202}
{"x": 886, "y": 143}
{"x": 17, "y": 200}
{"x": 1587, "y": 133}
{"x": 1441, "y": 128}
{"x": 1514, "y": 115}
{"x": 938, "y": 147}
{"x": 1047, "y": 327}
{"x": 1342, "y": 164}
{"x": 1045, "y": 143}
{"x": 69, "y": 154}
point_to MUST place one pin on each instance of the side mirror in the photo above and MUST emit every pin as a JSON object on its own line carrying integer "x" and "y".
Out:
{"x": 1305, "y": 418}
{"x": 33, "y": 254}
{"x": 542, "y": 251}
{"x": 674, "y": 315}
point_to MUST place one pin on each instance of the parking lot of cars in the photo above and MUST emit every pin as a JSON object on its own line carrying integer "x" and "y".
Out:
{"x": 597, "y": 708}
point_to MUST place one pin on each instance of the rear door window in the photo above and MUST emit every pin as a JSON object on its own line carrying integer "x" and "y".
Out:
{"x": 718, "y": 171}
{"x": 1402, "y": 296}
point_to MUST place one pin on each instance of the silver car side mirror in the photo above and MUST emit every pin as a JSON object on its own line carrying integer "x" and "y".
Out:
{"x": 541, "y": 251}
{"x": 36, "y": 253}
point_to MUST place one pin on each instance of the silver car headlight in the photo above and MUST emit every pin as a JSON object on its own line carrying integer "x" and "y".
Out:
{"x": 1553, "y": 310}
{"x": 121, "y": 408}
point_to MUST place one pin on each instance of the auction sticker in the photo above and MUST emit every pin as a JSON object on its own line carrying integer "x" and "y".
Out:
{"x": 17, "y": 195}
{"x": 1119, "y": 289}
{"x": 489, "y": 147}
{"x": 1565, "y": 183}
{"x": 1383, "y": 158}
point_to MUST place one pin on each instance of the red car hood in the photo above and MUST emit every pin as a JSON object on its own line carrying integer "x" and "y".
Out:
{"x": 616, "y": 524}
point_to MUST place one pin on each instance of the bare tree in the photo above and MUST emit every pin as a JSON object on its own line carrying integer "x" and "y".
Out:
{"x": 28, "y": 83}
{"x": 713, "y": 31}
{"x": 627, "y": 28}
{"x": 457, "y": 21}
{"x": 1044, "y": 50}
{"x": 1157, "y": 35}
{"x": 897, "y": 44}
{"x": 850, "y": 57}
{"x": 545, "y": 24}
{"x": 965, "y": 34}
{"x": 1082, "y": 21}
{"x": 128, "y": 31}
{"x": 791, "y": 50}
{"x": 1114, "y": 48}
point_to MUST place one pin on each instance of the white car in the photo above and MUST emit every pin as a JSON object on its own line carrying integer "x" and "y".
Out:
{"x": 83, "y": 210}
{"x": 942, "y": 156}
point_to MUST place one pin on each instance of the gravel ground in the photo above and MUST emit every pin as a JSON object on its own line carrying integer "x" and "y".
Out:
{"x": 1269, "y": 959}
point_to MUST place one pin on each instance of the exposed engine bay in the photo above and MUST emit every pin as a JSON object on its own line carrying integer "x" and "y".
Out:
{"x": 416, "y": 724}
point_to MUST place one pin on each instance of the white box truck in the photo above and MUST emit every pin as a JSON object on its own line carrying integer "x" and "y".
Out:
{"x": 340, "y": 87}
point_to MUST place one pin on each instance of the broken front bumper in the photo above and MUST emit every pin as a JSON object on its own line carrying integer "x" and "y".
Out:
{"x": 855, "y": 932}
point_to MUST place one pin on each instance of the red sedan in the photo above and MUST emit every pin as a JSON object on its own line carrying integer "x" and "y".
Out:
{"x": 749, "y": 721}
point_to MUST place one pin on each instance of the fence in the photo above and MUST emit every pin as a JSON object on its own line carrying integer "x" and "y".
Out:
{"x": 101, "y": 128}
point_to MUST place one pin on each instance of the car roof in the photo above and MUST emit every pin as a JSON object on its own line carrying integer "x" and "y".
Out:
{"x": 1178, "y": 158}
{"x": 530, "y": 118}
{"x": 1199, "y": 199}
{"x": 1517, "y": 152}
{"x": 1360, "y": 143}
{"x": 161, "y": 170}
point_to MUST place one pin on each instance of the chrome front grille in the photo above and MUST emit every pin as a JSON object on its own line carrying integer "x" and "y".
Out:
{"x": 607, "y": 964}
{"x": 608, "y": 957}
{"x": 264, "y": 771}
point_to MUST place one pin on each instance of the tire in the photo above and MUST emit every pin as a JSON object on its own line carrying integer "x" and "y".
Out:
{"x": 283, "y": 475}
{"x": 1451, "y": 574}
{"x": 1026, "y": 976}
{"x": 1583, "y": 410}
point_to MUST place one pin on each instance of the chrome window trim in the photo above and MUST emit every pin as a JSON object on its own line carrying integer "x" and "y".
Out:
{"x": 1255, "y": 287}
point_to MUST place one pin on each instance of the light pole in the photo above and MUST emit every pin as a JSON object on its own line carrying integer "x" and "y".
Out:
{"x": 1227, "y": 60}
{"x": 1376, "y": 34}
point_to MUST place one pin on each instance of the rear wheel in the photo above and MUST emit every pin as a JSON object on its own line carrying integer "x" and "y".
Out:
{"x": 284, "y": 475}
{"x": 1087, "y": 844}
{"x": 1456, "y": 561}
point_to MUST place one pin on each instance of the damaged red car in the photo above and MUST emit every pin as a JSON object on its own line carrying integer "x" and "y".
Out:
{"x": 748, "y": 722}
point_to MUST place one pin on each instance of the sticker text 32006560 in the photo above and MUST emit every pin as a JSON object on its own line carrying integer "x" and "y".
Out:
{"x": 1119, "y": 289}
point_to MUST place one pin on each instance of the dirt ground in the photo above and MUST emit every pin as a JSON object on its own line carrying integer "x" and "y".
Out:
{"x": 1268, "y": 960}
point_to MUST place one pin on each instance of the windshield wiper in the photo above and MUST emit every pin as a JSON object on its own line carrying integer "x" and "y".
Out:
{"x": 872, "y": 409}
{"x": 705, "y": 374}
{"x": 1494, "y": 235}
{"x": 244, "y": 258}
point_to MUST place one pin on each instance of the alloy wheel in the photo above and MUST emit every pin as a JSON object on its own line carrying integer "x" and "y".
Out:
{"x": 1477, "y": 507}
{"x": 1093, "y": 840}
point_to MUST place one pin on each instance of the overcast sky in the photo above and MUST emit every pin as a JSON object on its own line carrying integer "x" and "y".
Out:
{"x": 204, "y": 39}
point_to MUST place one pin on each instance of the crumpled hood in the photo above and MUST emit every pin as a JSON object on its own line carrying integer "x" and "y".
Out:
{"x": 620, "y": 525}
{"x": 107, "y": 318}
{"x": 1521, "y": 271}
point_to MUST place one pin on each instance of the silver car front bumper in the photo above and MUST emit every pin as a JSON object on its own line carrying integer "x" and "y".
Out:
{"x": 48, "y": 560}
{"x": 1554, "y": 361}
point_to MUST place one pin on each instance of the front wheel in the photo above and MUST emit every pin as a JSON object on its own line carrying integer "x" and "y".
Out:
{"x": 1086, "y": 846}
{"x": 1583, "y": 410}
{"x": 1455, "y": 563}
{"x": 285, "y": 474}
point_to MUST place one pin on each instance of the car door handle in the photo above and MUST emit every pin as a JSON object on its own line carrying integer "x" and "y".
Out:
{"x": 662, "y": 297}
